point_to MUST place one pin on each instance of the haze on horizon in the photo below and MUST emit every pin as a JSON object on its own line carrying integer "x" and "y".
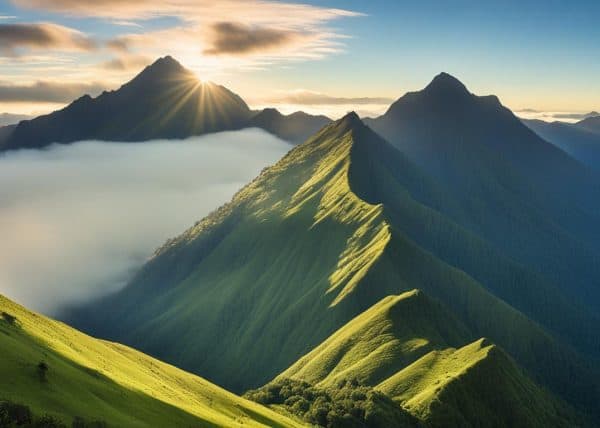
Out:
{"x": 318, "y": 56}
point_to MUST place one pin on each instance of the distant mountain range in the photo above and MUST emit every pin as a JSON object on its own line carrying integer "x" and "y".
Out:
{"x": 466, "y": 204}
{"x": 580, "y": 140}
{"x": 164, "y": 101}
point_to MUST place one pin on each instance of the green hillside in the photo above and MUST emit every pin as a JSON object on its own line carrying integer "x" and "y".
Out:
{"x": 339, "y": 223}
{"x": 406, "y": 346}
{"x": 103, "y": 381}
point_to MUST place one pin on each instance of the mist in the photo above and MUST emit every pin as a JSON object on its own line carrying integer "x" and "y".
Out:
{"x": 78, "y": 220}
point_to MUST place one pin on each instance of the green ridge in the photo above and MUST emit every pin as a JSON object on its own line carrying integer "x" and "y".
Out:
{"x": 339, "y": 223}
{"x": 99, "y": 380}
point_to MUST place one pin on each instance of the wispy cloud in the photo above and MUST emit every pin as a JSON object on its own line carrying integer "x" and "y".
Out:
{"x": 47, "y": 91}
{"x": 126, "y": 23}
{"x": 306, "y": 97}
{"x": 42, "y": 36}
{"x": 7, "y": 17}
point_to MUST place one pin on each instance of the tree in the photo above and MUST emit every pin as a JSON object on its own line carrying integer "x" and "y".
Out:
{"x": 42, "y": 371}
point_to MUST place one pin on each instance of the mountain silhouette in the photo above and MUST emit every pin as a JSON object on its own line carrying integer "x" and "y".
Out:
{"x": 165, "y": 100}
{"x": 530, "y": 199}
{"x": 579, "y": 142}
{"x": 295, "y": 127}
{"x": 591, "y": 124}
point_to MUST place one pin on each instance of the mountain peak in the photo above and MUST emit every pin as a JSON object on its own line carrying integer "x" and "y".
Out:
{"x": 445, "y": 83}
{"x": 350, "y": 121}
{"x": 165, "y": 68}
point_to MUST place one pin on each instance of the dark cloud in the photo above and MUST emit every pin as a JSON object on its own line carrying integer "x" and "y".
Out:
{"x": 50, "y": 92}
{"x": 234, "y": 38}
{"x": 317, "y": 98}
{"x": 42, "y": 36}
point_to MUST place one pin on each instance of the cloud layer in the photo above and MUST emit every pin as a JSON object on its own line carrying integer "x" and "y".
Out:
{"x": 77, "y": 220}
{"x": 48, "y": 92}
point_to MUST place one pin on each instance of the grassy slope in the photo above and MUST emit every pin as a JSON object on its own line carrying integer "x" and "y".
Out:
{"x": 101, "y": 380}
{"x": 404, "y": 346}
{"x": 299, "y": 252}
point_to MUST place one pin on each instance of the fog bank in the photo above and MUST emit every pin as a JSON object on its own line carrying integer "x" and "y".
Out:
{"x": 77, "y": 220}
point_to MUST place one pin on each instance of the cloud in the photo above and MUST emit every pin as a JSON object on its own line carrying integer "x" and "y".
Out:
{"x": 549, "y": 116}
{"x": 235, "y": 38}
{"x": 127, "y": 62}
{"x": 7, "y": 17}
{"x": 11, "y": 119}
{"x": 47, "y": 91}
{"x": 126, "y": 23}
{"x": 304, "y": 97}
{"x": 41, "y": 36}
{"x": 77, "y": 220}
{"x": 203, "y": 29}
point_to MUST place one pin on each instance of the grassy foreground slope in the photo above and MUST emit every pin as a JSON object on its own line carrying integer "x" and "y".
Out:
{"x": 339, "y": 223}
{"x": 99, "y": 380}
{"x": 412, "y": 349}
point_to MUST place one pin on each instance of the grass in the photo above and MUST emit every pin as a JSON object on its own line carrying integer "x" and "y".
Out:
{"x": 100, "y": 380}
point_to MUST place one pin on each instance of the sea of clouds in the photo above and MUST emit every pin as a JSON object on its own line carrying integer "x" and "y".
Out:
{"x": 77, "y": 220}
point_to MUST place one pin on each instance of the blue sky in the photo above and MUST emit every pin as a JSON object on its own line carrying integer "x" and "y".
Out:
{"x": 534, "y": 54}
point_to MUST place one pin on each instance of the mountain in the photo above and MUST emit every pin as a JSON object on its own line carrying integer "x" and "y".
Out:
{"x": 103, "y": 381}
{"x": 412, "y": 349}
{"x": 164, "y": 101}
{"x": 342, "y": 221}
{"x": 581, "y": 144}
{"x": 533, "y": 202}
{"x": 295, "y": 127}
{"x": 591, "y": 124}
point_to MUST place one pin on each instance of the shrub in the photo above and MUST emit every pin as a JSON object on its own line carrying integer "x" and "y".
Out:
{"x": 10, "y": 319}
{"x": 42, "y": 371}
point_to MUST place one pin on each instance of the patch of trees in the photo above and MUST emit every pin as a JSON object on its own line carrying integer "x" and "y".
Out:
{"x": 13, "y": 415}
{"x": 8, "y": 318}
{"x": 349, "y": 405}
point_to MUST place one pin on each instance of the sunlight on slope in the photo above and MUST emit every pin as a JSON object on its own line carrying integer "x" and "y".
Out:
{"x": 103, "y": 380}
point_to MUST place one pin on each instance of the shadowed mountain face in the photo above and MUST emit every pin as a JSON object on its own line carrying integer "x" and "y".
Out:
{"x": 532, "y": 201}
{"x": 341, "y": 222}
{"x": 164, "y": 101}
{"x": 591, "y": 124}
{"x": 578, "y": 142}
{"x": 295, "y": 127}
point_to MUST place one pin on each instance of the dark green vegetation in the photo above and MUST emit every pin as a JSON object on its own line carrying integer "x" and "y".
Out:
{"x": 54, "y": 376}
{"x": 346, "y": 219}
{"x": 346, "y": 405}
{"x": 416, "y": 352}
{"x": 295, "y": 127}
{"x": 19, "y": 415}
{"x": 580, "y": 143}
{"x": 164, "y": 101}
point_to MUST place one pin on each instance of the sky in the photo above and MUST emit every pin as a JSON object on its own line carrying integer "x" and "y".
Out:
{"x": 321, "y": 56}
{"x": 86, "y": 220}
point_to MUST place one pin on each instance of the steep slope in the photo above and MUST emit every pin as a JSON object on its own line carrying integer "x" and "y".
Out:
{"x": 579, "y": 143}
{"x": 164, "y": 101}
{"x": 339, "y": 223}
{"x": 295, "y": 127}
{"x": 99, "y": 380}
{"x": 590, "y": 124}
{"x": 405, "y": 345}
{"x": 533, "y": 202}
